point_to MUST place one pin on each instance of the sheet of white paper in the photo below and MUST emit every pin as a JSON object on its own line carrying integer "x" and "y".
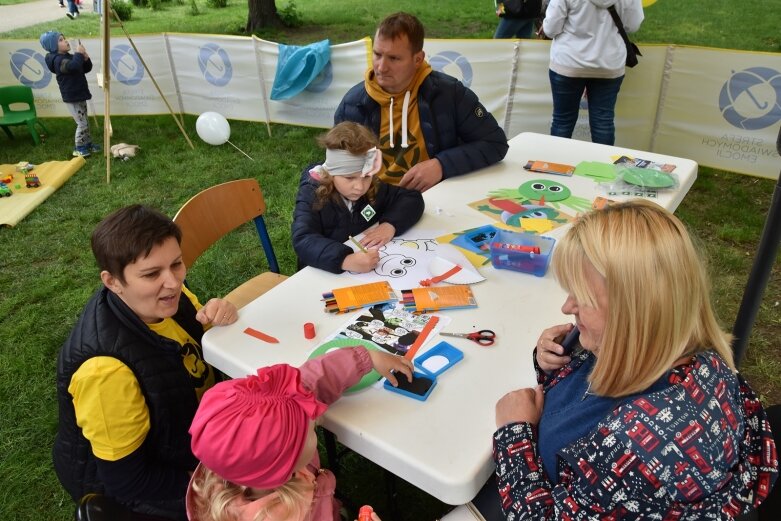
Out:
{"x": 449, "y": 256}
{"x": 434, "y": 363}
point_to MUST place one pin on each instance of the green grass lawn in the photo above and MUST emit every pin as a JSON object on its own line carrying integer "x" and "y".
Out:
{"x": 47, "y": 271}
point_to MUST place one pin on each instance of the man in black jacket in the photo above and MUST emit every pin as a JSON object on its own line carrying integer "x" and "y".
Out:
{"x": 430, "y": 125}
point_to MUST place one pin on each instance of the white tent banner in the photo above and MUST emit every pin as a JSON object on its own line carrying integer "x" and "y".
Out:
{"x": 718, "y": 107}
{"x": 638, "y": 99}
{"x": 26, "y": 66}
{"x": 481, "y": 65}
{"x": 315, "y": 106}
{"x": 132, "y": 89}
{"x": 723, "y": 108}
{"x": 219, "y": 74}
{"x": 529, "y": 106}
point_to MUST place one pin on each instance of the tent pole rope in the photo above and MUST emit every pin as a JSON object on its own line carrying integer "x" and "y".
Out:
{"x": 151, "y": 77}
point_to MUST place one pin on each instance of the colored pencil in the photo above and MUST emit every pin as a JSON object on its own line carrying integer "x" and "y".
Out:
{"x": 360, "y": 246}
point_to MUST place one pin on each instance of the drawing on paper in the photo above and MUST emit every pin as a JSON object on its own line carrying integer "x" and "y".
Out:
{"x": 403, "y": 262}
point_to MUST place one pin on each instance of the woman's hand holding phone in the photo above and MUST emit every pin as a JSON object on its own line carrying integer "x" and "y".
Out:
{"x": 555, "y": 346}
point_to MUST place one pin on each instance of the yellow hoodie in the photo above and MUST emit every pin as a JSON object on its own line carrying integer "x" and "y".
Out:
{"x": 401, "y": 138}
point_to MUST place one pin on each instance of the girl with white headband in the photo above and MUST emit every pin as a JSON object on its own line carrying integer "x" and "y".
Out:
{"x": 342, "y": 198}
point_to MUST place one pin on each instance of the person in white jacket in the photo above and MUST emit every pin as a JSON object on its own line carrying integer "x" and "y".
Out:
{"x": 587, "y": 54}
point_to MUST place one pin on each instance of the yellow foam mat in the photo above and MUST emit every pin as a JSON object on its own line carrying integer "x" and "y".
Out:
{"x": 51, "y": 174}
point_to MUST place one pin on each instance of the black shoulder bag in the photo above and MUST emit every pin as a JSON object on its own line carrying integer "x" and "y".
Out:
{"x": 632, "y": 52}
{"x": 519, "y": 8}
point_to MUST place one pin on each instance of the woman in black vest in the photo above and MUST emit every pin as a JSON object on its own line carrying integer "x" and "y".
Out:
{"x": 131, "y": 374}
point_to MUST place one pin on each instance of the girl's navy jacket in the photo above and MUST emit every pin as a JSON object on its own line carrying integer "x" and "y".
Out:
{"x": 319, "y": 234}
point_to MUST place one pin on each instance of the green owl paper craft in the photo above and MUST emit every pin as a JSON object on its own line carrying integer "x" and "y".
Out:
{"x": 544, "y": 192}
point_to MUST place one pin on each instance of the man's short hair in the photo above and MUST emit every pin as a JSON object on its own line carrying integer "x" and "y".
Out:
{"x": 401, "y": 24}
{"x": 129, "y": 233}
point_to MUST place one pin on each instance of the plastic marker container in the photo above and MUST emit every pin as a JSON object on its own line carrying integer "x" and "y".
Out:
{"x": 524, "y": 252}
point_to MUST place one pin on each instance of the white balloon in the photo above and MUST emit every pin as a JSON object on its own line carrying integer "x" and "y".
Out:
{"x": 213, "y": 128}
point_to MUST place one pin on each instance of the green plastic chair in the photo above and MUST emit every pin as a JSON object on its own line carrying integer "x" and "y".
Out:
{"x": 12, "y": 115}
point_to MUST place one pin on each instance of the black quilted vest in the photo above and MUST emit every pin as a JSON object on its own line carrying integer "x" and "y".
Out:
{"x": 107, "y": 327}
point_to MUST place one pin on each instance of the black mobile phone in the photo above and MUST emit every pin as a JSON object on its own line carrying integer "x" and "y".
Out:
{"x": 570, "y": 341}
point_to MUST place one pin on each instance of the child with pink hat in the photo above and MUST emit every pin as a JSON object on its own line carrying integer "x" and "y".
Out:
{"x": 256, "y": 440}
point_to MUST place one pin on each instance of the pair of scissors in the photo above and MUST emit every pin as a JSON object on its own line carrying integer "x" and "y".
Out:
{"x": 484, "y": 337}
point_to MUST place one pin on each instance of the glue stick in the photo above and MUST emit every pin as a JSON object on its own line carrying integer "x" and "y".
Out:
{"x": 365, "y": 513}
{"x": 309, "y": 331}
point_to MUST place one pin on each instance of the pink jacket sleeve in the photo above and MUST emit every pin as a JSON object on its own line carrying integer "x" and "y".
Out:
{"x": 329, "y": 375}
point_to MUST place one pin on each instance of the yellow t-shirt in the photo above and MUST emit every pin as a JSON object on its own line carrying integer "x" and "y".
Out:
{"x": 110, "y": 407}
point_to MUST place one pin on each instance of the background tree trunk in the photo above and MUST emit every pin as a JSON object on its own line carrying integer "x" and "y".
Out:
{"x": 262, "y": 13}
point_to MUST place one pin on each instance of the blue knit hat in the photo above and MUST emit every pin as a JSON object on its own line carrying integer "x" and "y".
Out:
{"x": 49, "y": 40}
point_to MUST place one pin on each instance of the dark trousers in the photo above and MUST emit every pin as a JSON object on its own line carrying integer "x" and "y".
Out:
{"x": 601, "y": 96}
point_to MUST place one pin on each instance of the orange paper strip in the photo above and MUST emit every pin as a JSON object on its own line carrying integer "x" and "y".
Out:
{"x": 261, "y": 336}
{"x": 422, "y": 337}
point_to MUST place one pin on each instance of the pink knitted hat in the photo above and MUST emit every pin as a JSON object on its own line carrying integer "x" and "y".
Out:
{"x": 252, "y": 430}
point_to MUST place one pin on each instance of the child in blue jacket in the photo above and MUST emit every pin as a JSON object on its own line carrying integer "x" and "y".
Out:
{"x": 70, "y": 70}
{"x": 343, "y": 198}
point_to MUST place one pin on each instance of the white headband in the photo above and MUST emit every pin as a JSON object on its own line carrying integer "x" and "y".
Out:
{"x": 342, "y": 162}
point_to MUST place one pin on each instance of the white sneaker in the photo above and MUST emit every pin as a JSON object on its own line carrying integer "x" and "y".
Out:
{"x": 69, "y": 15}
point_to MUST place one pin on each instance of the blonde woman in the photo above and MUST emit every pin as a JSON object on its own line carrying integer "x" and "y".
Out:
{"x": 647, "y": 418}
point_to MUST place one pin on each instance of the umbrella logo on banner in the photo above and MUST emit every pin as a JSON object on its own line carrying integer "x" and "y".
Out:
{"x": 450, "y": 61}
{"x": 323, "y": 80}
{"x": 215, "y": 64}
{"x": 126, "y": 65}
{"x": 751, "y": 98}
{"x": 30, "y": 68}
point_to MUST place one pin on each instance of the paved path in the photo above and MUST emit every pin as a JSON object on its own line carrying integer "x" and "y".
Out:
{"x": 38, "y": 11}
